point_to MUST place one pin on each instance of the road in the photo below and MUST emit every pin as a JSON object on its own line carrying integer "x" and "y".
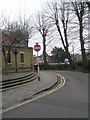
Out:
{"x": 71, "y": 101}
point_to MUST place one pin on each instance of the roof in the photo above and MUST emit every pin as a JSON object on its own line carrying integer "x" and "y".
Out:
{"x": 5, "y": 36}
{"x": 7, "y": 40}
{"x": 20, "y": 47}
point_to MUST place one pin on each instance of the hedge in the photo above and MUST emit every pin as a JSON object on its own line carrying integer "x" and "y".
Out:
{"x": 79, "y": 65}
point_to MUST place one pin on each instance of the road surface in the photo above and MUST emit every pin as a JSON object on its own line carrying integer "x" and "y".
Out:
{"x": 71, "y": 101}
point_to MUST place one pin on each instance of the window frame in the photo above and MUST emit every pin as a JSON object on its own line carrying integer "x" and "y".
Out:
{"x": 10, "y": 58}
{"x": 21, "y": 58}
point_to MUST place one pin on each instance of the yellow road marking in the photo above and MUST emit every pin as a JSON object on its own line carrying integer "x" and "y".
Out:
{"x": 36, "y": 97}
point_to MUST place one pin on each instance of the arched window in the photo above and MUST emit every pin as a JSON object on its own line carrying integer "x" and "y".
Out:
{"x": 9, "y": 57}
{"x": 21, "y": 57}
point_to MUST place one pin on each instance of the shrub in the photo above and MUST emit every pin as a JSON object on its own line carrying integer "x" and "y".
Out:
{"x": 86, "y": 65}
{"x": 79, "y": 63}
{"x": 54, "y": 67}
{"x": 80, "y": 66}
{"x": 83, "y": 65}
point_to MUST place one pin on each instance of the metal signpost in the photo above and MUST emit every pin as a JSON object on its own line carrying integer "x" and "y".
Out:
{"x": 37, "y": 48}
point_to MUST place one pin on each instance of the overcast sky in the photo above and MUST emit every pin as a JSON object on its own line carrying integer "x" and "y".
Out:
{"x": 13, "y": 8}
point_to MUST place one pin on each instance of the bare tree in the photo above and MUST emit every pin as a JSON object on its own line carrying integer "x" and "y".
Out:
{"x": 88, "y": 4}
{"x": 59, "y": 15}
{"x": 17, "y": 34}
{"x": 80, "y": 9}
{"x": 43, "y": 26}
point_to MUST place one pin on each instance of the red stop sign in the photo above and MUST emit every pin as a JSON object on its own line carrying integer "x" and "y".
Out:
{"x": 37, "y": 47}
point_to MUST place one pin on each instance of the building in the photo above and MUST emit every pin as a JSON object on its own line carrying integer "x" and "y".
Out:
{"x": 41, "y": 58}
{"x": 20, "y": 58}
{"x": 35, "y": 60}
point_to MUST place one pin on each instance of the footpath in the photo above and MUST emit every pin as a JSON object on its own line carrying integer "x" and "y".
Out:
{"x": 15, "y": 95}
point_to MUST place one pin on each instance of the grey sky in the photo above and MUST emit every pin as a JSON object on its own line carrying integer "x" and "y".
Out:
{"x": 13, "y": 8}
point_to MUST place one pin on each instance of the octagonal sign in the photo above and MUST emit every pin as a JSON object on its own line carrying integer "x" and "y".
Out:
{"x": 37, "y": 47}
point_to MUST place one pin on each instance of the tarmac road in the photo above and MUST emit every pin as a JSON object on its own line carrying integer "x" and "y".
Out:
{"x": 71, "y": 101}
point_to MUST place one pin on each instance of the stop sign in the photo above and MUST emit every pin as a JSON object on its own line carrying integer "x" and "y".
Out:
{"x": 37, "y": 47}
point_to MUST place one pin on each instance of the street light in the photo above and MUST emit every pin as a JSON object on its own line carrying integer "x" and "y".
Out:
{"x": 16, "y": 52}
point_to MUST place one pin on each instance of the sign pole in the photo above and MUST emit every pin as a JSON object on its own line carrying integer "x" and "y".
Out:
{"x": 37, "y": 48}
{"x": 38, "y": 67}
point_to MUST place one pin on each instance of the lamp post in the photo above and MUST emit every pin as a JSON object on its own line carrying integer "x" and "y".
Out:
{"x": 15, "y": 52}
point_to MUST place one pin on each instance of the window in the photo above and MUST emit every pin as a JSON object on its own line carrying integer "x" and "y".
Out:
{"x": 21, "y": 58}
{"x": 9, "y": 57}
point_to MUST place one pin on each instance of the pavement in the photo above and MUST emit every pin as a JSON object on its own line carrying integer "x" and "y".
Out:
{"x": 15, "y": 95}
{"x": 14, "y": 75}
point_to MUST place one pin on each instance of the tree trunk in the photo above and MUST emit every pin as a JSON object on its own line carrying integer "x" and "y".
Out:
{"x": 44, "y": 50}
{"x": 70, "y": 60}
{"x": 65, "y": 46}
{"x": 5, "y": 58}
{"x": 79, "y": 10}
{"x": 82, "y": 42}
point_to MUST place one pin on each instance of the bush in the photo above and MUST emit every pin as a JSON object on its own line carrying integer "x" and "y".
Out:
{"x": 79, "y": 66}
{"x": 83, "y": 65}
{"x": 54, "y": 67}
{"x": 86, "y": 65}
{"x": 79, "y": 63}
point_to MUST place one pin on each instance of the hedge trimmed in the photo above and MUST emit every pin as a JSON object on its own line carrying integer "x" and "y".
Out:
{"x": 54, "y": 67}
{"x": 83, "y": 65}
{"x": 80, "y": 66}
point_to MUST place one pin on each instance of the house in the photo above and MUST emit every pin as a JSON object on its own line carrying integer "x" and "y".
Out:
{"x": 41, "y": 58}
{"x": 19, "y": 58}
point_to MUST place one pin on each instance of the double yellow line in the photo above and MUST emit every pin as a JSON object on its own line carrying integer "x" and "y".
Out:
{"x": 62, "y": 83}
